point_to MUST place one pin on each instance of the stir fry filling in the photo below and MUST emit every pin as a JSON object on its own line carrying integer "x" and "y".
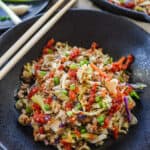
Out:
{"x": 72, "y": 96}
{"x": 138, "y": 5}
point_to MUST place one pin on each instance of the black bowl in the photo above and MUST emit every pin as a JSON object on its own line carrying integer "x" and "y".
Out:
{"x": 104, "y": 4}
{"x": 117, "y": 36}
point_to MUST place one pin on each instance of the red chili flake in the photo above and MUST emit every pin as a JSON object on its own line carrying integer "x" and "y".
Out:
{"x": 39, "y": 118}
{"x": 75, "y": 53}
{"x": 61, "y": 67}
{"x": 115, "y": 106}
{"x": 106, "y": 122}
{"x": 92, "y": 97}
{"x": 51, "y": 74}
{"x": 116, "y": 132}
{"x": 50, "y": 43}
{"x": 37, "y": 67}
{"x": 33, "y": 91}
{"x": 67, "y": 146}
{"x": 36, "y": 107}
{"x": 72, "y": 95}
{"x": 94, "y": 88}
{"x": 69, "y": 106}
{"x": 88, "y": 107}
{"x": 47, "y": 51}
{"x": 48, "y": 100}
{"x": 41, "y": 130}
{"x": 130, "y": 5}
{"x": 72, "y": 74}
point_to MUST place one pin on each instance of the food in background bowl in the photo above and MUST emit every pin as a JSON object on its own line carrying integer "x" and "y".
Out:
{"x": 138, "y": 5}
{"x": 72, "y": 96}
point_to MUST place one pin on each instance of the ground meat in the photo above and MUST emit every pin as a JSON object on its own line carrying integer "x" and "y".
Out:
{"x": 39, "y": 137}
{"x": 24, "y": 119}
{"x": 19, "y": 104}
{"x": 20, "y": 94}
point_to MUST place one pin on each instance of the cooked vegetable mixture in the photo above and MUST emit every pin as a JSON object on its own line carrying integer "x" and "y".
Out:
{"x": 138, "y": 5}
{"x": 72, "y": 96}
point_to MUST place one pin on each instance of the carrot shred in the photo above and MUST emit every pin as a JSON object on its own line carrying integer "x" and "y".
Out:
{"x": 77, "y": 133}
{"x": 103, "y": 74}
{"x": 123, "y": 63}
{"x": 103, "y": 93}
{"x": 121, "y": 60}
{"x": 128, "y": 62}
{"x": 131, "y": 105}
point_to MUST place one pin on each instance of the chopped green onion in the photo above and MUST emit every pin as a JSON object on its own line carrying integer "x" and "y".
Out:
{"x": 72, "y": 87}
{"x": 65, "y": 92}
{"x": 121, "y": 79}
{"x": 56, "y": 81}
{"x": 66, "y": 54}
{"x": 43, "y": 73}
{"x": 78, "y": 106}
{"x": 138, "y": 8}
{"x": 98, "y": 99}
{"x": 122, "y": 1}
{"x": 73, "y": 66}
{"x": 50, "y": 51}
{"x": 28, "y": 110}
{"x": 133, "y": 94}
{"x": 47, "y": 107}
{"x": 100, "y": 120}
{"x": 102, "y": 104}
{"x": 83, "y": 62}
{"x": 64, "y": 136}
{"x": 130, "y": 99}
{"x": 108, "y": 61}
{"x": 83, "y": 130}
{"x": 73, "y": 136}
{"x": 69, "y": 113}
{"x": 4, "y": 18}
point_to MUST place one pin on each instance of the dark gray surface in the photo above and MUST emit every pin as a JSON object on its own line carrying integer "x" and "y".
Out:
{"x": 81, "y": 28}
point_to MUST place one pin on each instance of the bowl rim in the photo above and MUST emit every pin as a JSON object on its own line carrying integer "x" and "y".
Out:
{"x": 144, "y": 16}
{"x": 77, "y": 10}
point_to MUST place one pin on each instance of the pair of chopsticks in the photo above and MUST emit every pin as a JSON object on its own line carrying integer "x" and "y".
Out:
{"x": 10, "y": 13}
{"x": 35, "y": 38}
